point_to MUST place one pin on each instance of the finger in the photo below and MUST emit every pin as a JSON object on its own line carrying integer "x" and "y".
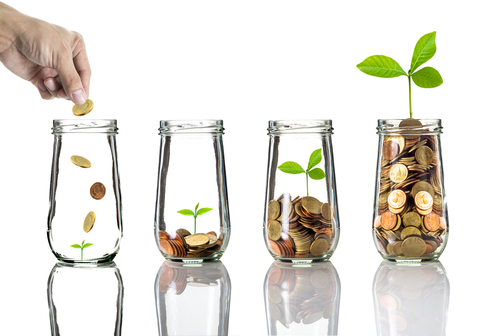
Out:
{"x": 82, "y": 66}
{"x": 70, "y": 79}
{"x": 44, "y": 93}
{"x": 61, "y": 93}
{"x": 53, "y": 86}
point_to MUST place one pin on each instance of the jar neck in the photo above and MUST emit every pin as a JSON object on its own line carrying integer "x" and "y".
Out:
{"x": 295, "y": 127}
{"x": 199, "y": 127}
{"x": 409, "y": 126}
{"x": 69, "y": 126}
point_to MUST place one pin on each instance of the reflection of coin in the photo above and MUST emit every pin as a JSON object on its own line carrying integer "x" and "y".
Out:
{"x": 319, "y": 279}
{"x": 273, "y": 210}
{"x": 412, "y": 219}
{"x": 274, "y": 293}
{"x": 319, "y": 247}
{"x": 89, "y": 221}
{"x": 423, "y": 200}
{"x": 413, "y": 247}
{"x": 80, "y": 161}
{"x": 397, "y": 198}
{"x": 398, "y": 173}
{"x": 274, "y": 230}
{"x": 389, "y": 220}
{"x": 432, "y": 221}
{"x": 81, "y": 110}
{"x": 97, "y": 191}
{"x": 424, "y": 155}
{"x": 390, "y": 149}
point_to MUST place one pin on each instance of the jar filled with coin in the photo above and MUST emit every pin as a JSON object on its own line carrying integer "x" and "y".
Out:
{"x": 410, "y": 221}
{"x": 85, "y": 214}
{"x": 301, "y": 219}
{"x": 192, "y": 212}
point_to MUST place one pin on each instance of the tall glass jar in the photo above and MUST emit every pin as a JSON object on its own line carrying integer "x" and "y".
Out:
{"x": 410, "y": 221}
{"x": 301, "y": 222}
{"x": 193, "y": 299}
{"x": 85, "y": 213}
{"x": 192, "y": 212}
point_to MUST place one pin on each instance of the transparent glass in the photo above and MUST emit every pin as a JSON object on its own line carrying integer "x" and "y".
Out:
{"x": 85, "y": 299}
{"x": 301, "y": 222}
{"x": 302, "y": 299}
{"x": 192, "y": 212}
{"x": 411, "y": 299}
{"x": 192, "y": 299}
{"x": 410, "y": 217}
{"x": 85, "y": 211}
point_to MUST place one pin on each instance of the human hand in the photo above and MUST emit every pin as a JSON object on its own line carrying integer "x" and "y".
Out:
{"x": 52, "y": 58}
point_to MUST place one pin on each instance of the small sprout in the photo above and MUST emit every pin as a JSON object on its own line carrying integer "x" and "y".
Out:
{"x": 291, "y": 167}
{"x": 197, "y": 212}
{"x": 81, "y": 247}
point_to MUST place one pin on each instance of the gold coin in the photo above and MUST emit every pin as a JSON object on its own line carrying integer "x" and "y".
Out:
{"x": 89, "y": 221}
{"x": 422, "y": 186}
{"x": 424, "y": 212}
{"x": 80, "y": 161}
{"x": 413, "y": 247}
{"x": 319, "y": 247}
{"x": 97, "y": 191}
{"x": 410, "y": 128}
{"x": 274, "y": 230}
{"x": 184, "y": 232}
{"x": 410, "y": 231}
{"x": 412, "y": 219}
{"x": 398, "y": 173}
{"x": 197, "y": 239}
{"x": 399, "y": 139}
{"x": 397, "y": 198}
{"x": 398, "y": 224}
{"x": 81, "y": 110}
{"x": 326, "y": 211}
{"x": 311, "y": 205}
{"x": 273, "y": 210}
{"x": 423, "y": 200}
{"x": 424, "y": 155}
{"x": 396, "y": 248}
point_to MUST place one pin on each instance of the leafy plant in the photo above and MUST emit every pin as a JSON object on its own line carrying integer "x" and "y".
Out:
{"x": 197, "y": 212}
{"x": 291, "y": 167}
{"x": 83, "y": 246}
{"x": 386, "y": 67}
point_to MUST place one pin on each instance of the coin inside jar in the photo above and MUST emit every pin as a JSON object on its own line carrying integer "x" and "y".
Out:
{"x": 274, "y": 230}
{"x": 97, "y": 191}
{"x": 397, "y": 198}
{"x": 413, "y": 247}
{"x": 319, "y": 247}
{"x": 412, "y": 219}
{"x": 312, "y": 205}
{"x": 390, "y": 149}
{"x": 389, "y": 220}
{"x": 89, "y": 221}
{"x": 398, "y": 173}
{"x": 273, "y": 210}
{"x": 424, "y": 155}
{"x": 410, "y": 128}
{"x": 423, "y": 200}
{"x": 410, "y": 231}
{"x": 432, "y": 221}
{"x": 197, "y": 239}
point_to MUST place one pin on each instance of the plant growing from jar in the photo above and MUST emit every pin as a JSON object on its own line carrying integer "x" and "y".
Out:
{"x": 81, "y": 247}
{"x": 197, "y": 212}
{"x": 291, "y": 167}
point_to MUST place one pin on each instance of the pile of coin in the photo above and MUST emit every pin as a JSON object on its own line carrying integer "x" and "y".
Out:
{"x": 177, "y": 278}
{"x": 299, "y": 228}
{"x": 183, "y": 244}
{"x": 300, "y": 296}
{"x": 410, "y": 220}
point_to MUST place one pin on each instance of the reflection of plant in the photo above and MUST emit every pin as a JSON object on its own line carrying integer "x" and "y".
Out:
{"x": 386, "y": 67}
{"x": 197, "y": 212}
{"x": 82, "y": 246}
{"x": 291, "y": 167}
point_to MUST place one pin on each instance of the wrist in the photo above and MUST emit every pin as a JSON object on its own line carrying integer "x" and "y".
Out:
{"x": 9, "y": 20}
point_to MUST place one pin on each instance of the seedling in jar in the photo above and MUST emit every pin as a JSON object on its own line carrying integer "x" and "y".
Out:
{"x": 291, "y": 167}
{"x": 81, "y": 247}
{"x": 197, "y": 212}
{"x": 386, "y": 67}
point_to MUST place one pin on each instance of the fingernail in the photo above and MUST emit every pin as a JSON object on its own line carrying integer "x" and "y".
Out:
{"x": 50, "y": 84}
{"x": 78, "y": 97}
{"x": 41, "y": 86}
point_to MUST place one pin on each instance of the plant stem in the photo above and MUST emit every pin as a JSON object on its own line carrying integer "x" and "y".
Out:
{"x": 194, "y": 224}
{"x": 82, "y": 252}
{"x": 409, "y": 87}
{"x": 307, "y": 183}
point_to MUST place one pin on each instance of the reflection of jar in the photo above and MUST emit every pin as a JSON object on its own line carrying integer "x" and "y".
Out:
{"x": 302, "y": 300}
{"x": 192, "y": 211}
{"x": 193, "y": 299}
{"x": 410, "y": 215}
{"x": 85, "y": 300}
{"x": 301, "y": 218}
{"x": 411, "y": 299}
{"x": 85, "y": 222}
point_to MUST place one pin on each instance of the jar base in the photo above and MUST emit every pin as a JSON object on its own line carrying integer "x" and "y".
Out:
{"x": 301, "y": 261}
{"x": 89, "y": 262}
{"x": 411, "y": 260}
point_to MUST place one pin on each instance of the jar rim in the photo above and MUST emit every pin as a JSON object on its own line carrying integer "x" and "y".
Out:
{"x": 108, "y": 126}
{"x": 392, "y": 126}
{"x": 300, "y": 126}
{"x": 186, "y": 126}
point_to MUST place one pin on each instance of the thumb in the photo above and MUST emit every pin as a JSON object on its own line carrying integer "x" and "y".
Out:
{"x": 71, "y": 81}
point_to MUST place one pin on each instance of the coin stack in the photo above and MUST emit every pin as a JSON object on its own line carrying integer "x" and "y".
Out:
{"x": 183, "y": 244}
{"x": 410, "y": 221}
{"x": 299, "y": 228}
{"x": 309, "y": 296}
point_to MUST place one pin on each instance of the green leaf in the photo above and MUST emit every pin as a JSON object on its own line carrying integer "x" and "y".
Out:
{"x": 87, "y": 245}
{"x": 314, "y": 159}
{"x": 291, "y": 167}
{"x": 186, "y": 212}
{"x": 317, "y": 174}
{"x": 424, "y": 50}
{"x": 76, "y": 246}
{"x": 203, "y": 211}
{"x": 196, "y": 207}
{"x": 427, "y": 78}
{"x": 381, "y": 66}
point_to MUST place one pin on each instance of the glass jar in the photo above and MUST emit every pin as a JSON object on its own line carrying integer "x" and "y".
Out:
{"x": 192, "y": 299}
{"x": 301, "y": 217}
{"x": 192, "y": 212}
{"x": 302, "y": 299}
{"x": 410, "y": 221}
{"x": 411, "y": 299}
{"x": 85, "y": 213}
{"x": 85, "y": 299}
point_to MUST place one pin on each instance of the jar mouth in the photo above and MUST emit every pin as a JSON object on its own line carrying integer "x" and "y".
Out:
{"x": 411, "y": 127}
{"x": 311, "y": 126}
{"x": 61, "y": 126}
{"x": 206, "y": 126}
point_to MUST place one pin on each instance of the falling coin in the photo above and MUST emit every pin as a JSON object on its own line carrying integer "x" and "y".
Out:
{"x": 89, "y": 221}
{"x": 97, "y": 191}
{"x": 80, "y": 161}
{"x": 85, "y": 108}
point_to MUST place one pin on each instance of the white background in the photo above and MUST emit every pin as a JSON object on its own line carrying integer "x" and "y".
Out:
{"x": 247, "y": 62}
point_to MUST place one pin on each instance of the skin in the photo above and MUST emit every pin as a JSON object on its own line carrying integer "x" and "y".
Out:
{"x": 51, "y": 57}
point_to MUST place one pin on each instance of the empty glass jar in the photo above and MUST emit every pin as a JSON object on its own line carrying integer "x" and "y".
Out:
{"x": 192, "y": 213}
{"x": 301, "y": 218}
{"x": 85, "y": 214}
{"x": 410, "y": 221}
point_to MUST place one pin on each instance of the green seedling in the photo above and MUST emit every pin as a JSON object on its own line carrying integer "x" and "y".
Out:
{"x": 81, "y": 247}
{"x": 197, "y": 212}
{"x": 291, "y": 167}
{"x": 386, "y": 67}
